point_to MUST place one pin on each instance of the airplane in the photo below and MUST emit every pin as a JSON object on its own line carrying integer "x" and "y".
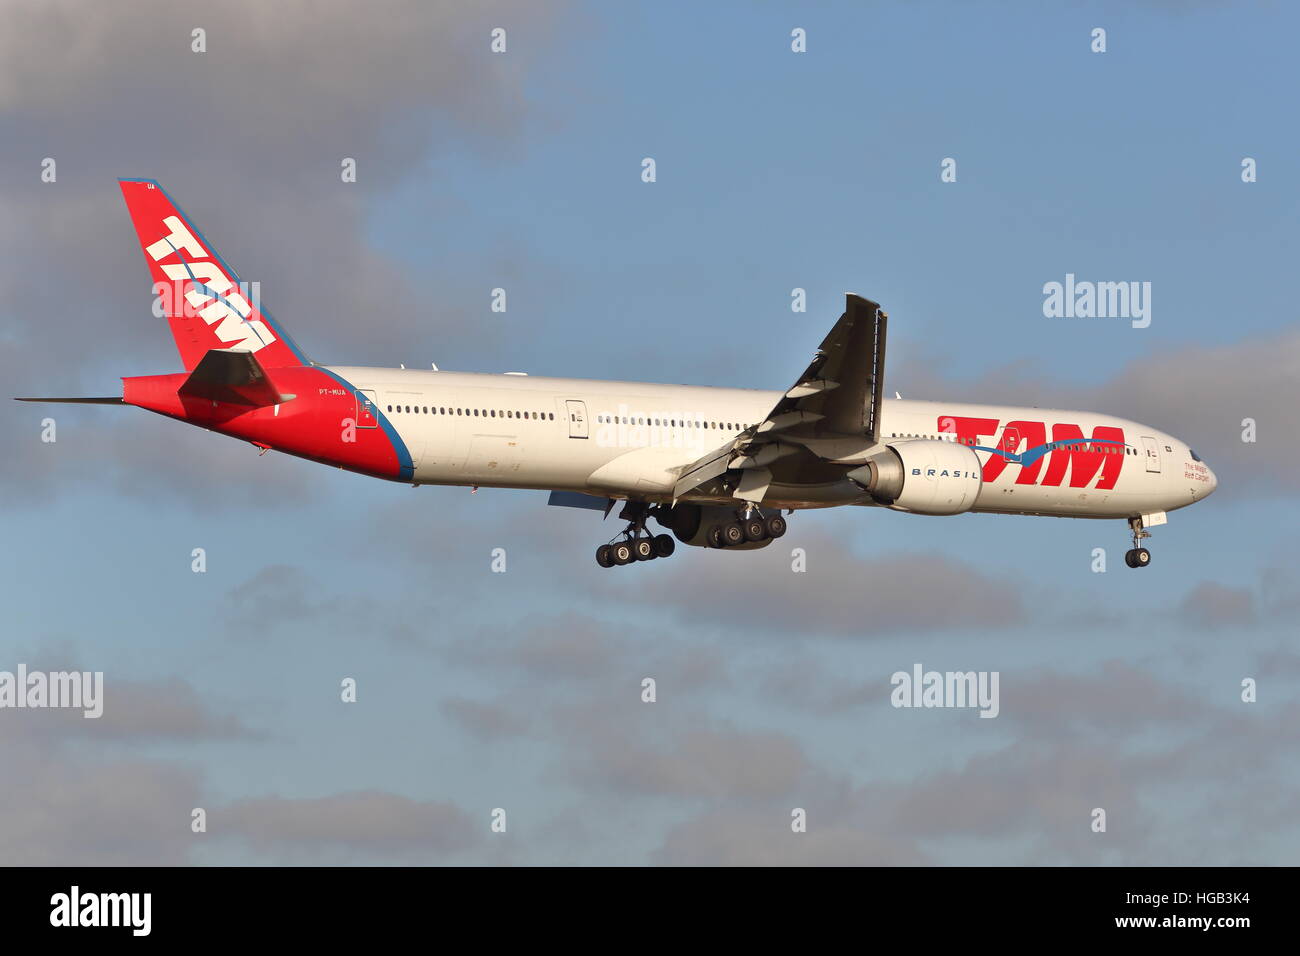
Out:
{"x": 715, "y": 466}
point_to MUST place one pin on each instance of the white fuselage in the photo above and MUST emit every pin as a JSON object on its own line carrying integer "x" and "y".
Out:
{"x": 620, "y": 440}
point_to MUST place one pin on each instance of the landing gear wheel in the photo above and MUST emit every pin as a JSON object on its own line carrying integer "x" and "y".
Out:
{"x": 732, "y": 534}
{"x": 715, "y": 537}
{"x": 644, "y": 549}
{"x": 755, "y": 529}
{"x": 664, "y": 545}
{"x": 1138, "y": 557}
{"x": 775, "y": 526}
{"x": 605, "y": 556}
{"x": 623, "y": 553}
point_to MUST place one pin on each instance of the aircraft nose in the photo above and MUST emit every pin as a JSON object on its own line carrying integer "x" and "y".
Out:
{"x": 1214, "y": 481}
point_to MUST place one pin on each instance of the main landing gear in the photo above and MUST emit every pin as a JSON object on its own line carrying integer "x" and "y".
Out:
{"x": 635, "y": 543}
{"x": 1137, "y": 557}
{"x": 751, "y": 527}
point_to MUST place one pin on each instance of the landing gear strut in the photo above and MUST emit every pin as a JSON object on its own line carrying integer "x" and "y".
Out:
{"x": 1137, "y": 556}
{"x": 635, "y": 543}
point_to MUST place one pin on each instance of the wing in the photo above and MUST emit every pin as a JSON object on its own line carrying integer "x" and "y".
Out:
{"x": 830, "y": 414}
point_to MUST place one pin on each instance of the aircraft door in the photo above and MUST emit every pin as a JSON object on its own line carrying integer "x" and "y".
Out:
{"x": 1011, "y": 444}
{"x": 577, "y": 414}
{"x": 366, "y": 408}
{"x": 1152, "y": 448}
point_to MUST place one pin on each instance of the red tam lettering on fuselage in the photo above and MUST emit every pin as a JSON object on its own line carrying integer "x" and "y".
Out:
{"x": 1084, "y": 458}
{"x": 1024, "y": 443}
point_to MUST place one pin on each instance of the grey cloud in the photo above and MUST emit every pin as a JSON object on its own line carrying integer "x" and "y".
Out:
{"x": 361, "y": 823}
{"x": 1119, "y": 697}
{"x": 248, "y": 137}
{"x": 569, "y": 646}
{"x": 1076, "y": 742}
{"x": 67, "y": 804}
{"x": 1279, "y": 587}
{"x": 280, "y": 600}
{"x": 699, "y": 762}
{"x": 1045, "y": 790}
{"x": 1212, "y": 606}
{"x": 93, "y": 812}
{"x": 140, "y": 455}
{"x": 750, "y": 838}
{"x": 841, "y": 593}
{"x": 485, "y": 721}
{"x": 141, "y": 711}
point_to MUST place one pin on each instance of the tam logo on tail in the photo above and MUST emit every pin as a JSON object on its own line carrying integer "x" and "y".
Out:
{"x": 205, "y": 304}
{"x": 209, "y": 292}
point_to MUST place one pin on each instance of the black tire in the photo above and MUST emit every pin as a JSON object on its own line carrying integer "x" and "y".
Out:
{"x": 623, "y": 553}
{"x": 715, "y": 537}
{"x": 1141, "y": 558}
{"x": 645, "y": 549}
{"x": 775, "y": 526}
{"x": 732, "y": 534}
{"x": 665, "y": 545}
{"x": 755, "y": 529}
{"x": 605, "y": 556}
{"x": 1129, "y": 558}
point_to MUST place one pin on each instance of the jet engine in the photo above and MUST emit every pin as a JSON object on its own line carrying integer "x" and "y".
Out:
{"x": 923, "y": 476}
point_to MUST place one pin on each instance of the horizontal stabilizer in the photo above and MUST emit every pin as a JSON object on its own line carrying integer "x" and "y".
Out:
{"x": 234, "y": 377}
{"x": 75, "y": 401}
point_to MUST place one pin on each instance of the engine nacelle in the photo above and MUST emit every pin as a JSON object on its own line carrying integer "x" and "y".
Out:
{"x": 924, "y": 477}
{"x": 690, "y": 524}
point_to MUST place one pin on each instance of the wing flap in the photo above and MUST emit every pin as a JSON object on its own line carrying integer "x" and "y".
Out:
{"x": 704, "y": 469}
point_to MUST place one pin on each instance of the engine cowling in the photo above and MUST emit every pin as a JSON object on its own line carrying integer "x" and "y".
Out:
{"x": 923, "y": 477}
{"x": 690, "y": 524}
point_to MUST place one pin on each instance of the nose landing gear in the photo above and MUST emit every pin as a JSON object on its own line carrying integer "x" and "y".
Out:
{"x": 1137, "y": 556}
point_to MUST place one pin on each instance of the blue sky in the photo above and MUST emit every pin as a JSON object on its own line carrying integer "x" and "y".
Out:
{"x": 521, "y": 690}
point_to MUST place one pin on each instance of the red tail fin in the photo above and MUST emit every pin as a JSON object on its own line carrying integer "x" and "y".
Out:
{"x": 206, "y": 305}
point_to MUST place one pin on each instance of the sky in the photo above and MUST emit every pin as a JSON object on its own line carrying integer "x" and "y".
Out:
{"x": 516, "y": 696}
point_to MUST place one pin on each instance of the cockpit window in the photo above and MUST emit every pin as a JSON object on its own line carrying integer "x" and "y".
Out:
{"x": 1195, "y": 457}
